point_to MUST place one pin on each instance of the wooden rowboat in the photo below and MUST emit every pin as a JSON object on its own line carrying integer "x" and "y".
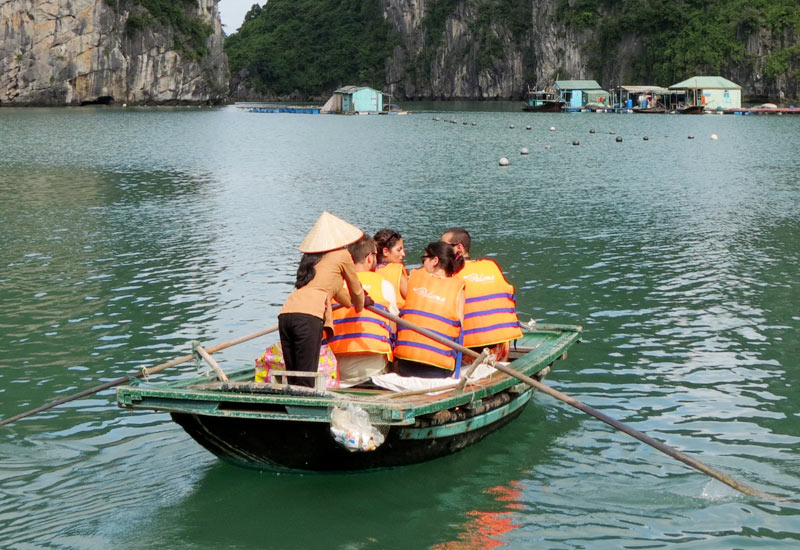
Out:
{"x": 279, "y": 427}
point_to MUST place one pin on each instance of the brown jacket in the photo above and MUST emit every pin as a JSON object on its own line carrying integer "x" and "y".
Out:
{"x": 332, "y": 270}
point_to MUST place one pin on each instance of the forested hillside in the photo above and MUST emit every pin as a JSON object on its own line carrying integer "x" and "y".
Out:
{"x": 474, "y": 49}
{"x": 309, "y": 47}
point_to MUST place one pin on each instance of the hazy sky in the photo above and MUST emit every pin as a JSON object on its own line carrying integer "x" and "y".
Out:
{"x": 232, "y": 12}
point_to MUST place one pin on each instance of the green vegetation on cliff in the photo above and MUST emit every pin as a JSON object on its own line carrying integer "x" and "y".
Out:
{"x": 312, "y": 46}
{"x": 191, "y": 31}
{"x": 679, "y": 39}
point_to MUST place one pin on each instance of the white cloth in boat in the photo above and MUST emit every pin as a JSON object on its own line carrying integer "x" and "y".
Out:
{"x": 395, "y": 382}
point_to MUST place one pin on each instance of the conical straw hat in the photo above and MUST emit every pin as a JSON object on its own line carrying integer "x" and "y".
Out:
{"x": 329, "y": 233}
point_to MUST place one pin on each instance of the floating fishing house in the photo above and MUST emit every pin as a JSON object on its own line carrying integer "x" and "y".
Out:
{"x": 712, "y": 92}
{"x": 650, "y": 98}
{"x": 579, "y": 95}
{"x": 354, "y": 100}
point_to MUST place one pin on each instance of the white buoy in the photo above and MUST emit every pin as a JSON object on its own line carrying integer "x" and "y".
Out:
{"x": 715, "y": 137}
{"x": 504, "y": 161}
{"x": 124, "y": 104}
{"x": 552, "y": 128}
{"x": 511, "y": 126}
{"x": 524, "y": 151}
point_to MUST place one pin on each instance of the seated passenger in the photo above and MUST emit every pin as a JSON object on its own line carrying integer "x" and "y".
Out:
{"x": 490, "y": 314}
{"x": 435, "y": 301}
{"x": 391, "y": 252}
{"x": 362, "y": 340}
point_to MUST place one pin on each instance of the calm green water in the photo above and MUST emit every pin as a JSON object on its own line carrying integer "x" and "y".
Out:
{"x": 128, "y": 233}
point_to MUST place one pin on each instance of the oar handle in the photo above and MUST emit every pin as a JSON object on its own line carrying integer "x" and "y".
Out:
{"x": 425, "y": 332}
{"x": 141, "y": 373}
{"x": 644, "y": 438}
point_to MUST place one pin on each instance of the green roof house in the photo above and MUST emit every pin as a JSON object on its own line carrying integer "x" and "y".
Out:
{"x": 577, "y": 94}
{"x": 714, "y": 92}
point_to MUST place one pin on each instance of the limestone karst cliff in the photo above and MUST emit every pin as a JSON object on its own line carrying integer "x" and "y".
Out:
{"x": 484, "y": 49}
{"x": 72, "y": 52}
{"x": 495, "y": 49}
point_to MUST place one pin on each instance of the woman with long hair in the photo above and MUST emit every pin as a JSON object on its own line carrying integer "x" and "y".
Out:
{"x": 391, "y": 252}
{"x": 435, "y": 301}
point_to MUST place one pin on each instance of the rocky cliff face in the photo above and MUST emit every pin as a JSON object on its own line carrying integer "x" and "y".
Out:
{"x": 454, "y": 65}
{"x": 753, "y": 75}
{"x": 482, "y": 54}
{"x": 72, "y": 52}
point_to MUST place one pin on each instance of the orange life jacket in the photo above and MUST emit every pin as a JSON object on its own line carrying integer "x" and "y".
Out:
{"x": 431, "y": 303}
{"x": 363, "y": 332}
{"x": 392, "y": 273}
{"x": 490, "y": 310}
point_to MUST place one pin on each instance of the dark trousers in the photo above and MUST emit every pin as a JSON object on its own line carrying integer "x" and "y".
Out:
{"x": 421, "y": 370}
{"x": 301, "y": 338}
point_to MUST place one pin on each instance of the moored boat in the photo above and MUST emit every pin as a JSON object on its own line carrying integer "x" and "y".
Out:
{"x": 279, "y": 427}
{"x": 654, "y": 110}
{"x": 540, "y": 101}
{"x": 691, "y": 110}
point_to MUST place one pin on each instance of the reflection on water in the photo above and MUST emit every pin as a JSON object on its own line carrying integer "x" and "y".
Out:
{"x": 128, "y": 233}
{"x": 485, "y": 530}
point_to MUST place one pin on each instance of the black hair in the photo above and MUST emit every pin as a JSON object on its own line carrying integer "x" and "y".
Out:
{"x": 306, "y": 270}
{"x": 460, "y": 236}
{"x": 448, "y": 259}
{"x": 386, "y": 238}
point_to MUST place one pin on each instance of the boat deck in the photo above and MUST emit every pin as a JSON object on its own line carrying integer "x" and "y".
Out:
{"x": 241, "y": 397}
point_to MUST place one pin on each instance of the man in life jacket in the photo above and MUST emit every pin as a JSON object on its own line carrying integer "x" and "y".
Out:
{"x": 362, "y": 341}
{"x": 490, "y": 314}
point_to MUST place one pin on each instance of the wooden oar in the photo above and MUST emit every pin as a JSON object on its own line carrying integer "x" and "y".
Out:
{"x": 140, "y": 374}
{"x": 674, "y": 453}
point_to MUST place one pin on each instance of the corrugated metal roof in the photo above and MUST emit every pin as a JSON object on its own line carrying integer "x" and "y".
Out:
{"x": 351, "y": 89}
{"x": 645, "y": 89}
{"x": 577, "y": 85}
{"x": 707, "y": 82}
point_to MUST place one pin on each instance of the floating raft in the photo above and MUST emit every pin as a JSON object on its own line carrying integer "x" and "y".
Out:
{"x": 294, "y": 110}
{"x": 763, "y": 111}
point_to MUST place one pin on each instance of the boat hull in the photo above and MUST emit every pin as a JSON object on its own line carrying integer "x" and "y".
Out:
{"x": 308, "y": 446}
{"x": 691, "y": 110}
{"x": 547, "y": 107}
{"x": 273, "y": 426}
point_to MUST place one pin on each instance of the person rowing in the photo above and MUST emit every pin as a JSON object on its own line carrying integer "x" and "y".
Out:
{"x": 324, "y": 268}
{"x": 435, "y": 301}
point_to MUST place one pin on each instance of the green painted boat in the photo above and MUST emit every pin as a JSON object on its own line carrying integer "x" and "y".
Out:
{"x": 275, "y": 426}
